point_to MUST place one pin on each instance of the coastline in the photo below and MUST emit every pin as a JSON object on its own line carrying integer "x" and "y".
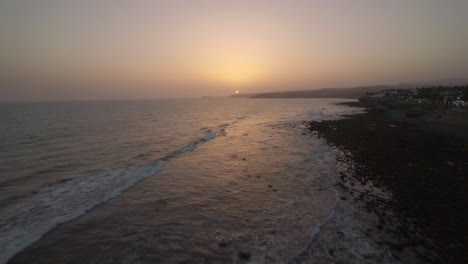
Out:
{"x": 256, "y": 193}
{"x": 421, "y": 162}
{"x": 347, "y": 219}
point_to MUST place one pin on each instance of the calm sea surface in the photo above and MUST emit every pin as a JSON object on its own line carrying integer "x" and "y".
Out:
{"x": 193, "y": 181}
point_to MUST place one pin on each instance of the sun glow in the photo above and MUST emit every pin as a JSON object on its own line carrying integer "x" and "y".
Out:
{"x": 232, "y": 59}
{"x": 235, "y": 73}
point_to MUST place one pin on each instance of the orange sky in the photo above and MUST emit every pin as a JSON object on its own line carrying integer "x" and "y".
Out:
{"x": 61, "y": 50}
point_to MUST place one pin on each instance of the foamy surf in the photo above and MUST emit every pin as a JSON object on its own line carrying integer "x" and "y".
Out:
{"x": 343, "y": 233}
{"x": 326, "y": 157}
{"x": 262, "y": 189}
{"x": 59, "y": 202}
{"x": 211, "y": 135}
{"x": 190, "y": 147}
{"x": 25, "y": 222}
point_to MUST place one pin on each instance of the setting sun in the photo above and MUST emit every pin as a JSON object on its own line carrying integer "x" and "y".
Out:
{"x": 131, "y": 112}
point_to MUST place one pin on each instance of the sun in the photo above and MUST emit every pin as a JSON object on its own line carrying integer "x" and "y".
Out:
{"x": 237, "y": 92}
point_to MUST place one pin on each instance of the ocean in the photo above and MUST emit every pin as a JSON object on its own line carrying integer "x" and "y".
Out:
{"x": 216, "y": 180}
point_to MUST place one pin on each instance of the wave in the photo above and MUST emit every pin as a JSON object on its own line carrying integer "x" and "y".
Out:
{"x": 211, "y": 135}
{"x": 326, "y": 157}
{"x": 190, "y": 147}
{"x": 26, "y": 221}
{"x": 316, "y": 116}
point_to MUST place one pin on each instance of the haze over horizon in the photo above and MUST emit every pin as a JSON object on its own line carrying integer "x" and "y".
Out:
{"x": 88, "y": 50}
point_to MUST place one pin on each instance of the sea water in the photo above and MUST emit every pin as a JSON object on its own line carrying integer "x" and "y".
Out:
{"x": 217, "y": 180}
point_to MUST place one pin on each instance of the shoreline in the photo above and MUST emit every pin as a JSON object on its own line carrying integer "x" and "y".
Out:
{"x": 255, "y": 200}
{"x": 421, "y": 162}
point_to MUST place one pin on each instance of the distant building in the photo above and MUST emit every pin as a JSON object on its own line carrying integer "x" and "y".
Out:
{"x": 459, "y": 102}
{"x": 449, "y": 96}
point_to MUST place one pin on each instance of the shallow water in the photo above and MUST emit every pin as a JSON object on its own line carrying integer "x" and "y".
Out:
{"x": 203, "y": 180}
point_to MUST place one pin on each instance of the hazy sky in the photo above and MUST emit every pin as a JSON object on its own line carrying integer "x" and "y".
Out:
{"x": 98, "y": 49}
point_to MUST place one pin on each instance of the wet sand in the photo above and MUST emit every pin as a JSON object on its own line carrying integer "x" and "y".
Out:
{"x": 422, "y": 161}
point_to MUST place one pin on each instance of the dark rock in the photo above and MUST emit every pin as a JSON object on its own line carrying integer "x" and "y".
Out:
{"x": 414, "y": 112}
{"x": 388, "y": 150}
{"x": 222, "y": 244}
{"x": 244, "y": 255}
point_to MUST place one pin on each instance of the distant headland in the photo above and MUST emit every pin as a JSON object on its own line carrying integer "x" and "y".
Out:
{"x": 353, "y": 92}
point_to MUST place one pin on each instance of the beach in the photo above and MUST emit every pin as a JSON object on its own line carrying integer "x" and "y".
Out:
{"x": 357, "y": 184}
{"x": 420, "y": 162}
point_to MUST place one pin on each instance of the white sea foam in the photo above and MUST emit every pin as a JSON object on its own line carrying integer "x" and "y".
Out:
{"x": 189, "y": 147}
{"x": 316, "y": 115}
{"x": 25, "y": 222}
{"x": 324, "y": 158}
{"x": 345, "y": 218}
{"x": 211, "y": 135}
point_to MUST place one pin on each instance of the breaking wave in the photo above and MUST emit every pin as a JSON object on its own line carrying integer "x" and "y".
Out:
{"x": 26, "y": 221}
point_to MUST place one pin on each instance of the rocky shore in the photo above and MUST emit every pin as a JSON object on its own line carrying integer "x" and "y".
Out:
{"x": 422, "y": 161}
